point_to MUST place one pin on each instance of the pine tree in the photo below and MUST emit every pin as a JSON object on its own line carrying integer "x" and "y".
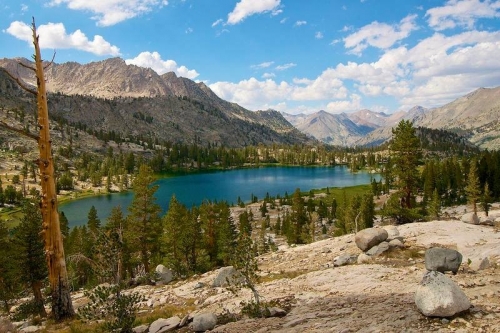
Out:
{"x": 175, "y": 223}
{"x": 10, "y": 281}
{"x": 144, "y": 222}
{"x": 473, "y": 189}
{"x": 486, "y": 199}
{"x": 93, "y": 222}
{"x": 31, "y": 253}
{"x": 435, "y": 205}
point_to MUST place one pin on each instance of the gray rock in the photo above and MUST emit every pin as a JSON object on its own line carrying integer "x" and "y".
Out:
{"x": 368, "y": 238}
{"x": 392, "y": 232}
{"x": 140, "y": 329}
{"x": 199, "y": 285}
{"x": 486, "y": 221}
{"x": 442, "y": 260}
{"x": 364, "y": 258}
{"x": 470, "y": 218}
{"x": 276, "y": 312}
{"x": 438, "y": 296}
{"x": 164, "y": 325}
{"x": 30, "y": 329}
{"x": 479, "y": 264}
{"x": 165, "y": 275}
{"x": 204, "y": 321}
{"x": 378, "y": 249}
{"x": 396, "y": 243}
{"x": 226, "y": 274}
{"x": 344, "y": 259}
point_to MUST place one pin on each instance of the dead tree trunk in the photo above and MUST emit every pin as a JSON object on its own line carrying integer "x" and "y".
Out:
{"x": 62, "y": 306}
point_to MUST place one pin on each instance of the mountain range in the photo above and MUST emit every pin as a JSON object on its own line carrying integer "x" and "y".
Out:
{"x": 110, "y": 95}
{"x": 475, "y": 116}
{"x": 132, "y": 101}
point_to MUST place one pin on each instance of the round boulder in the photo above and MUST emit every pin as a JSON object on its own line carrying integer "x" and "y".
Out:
{"x": 164, "y": 274}
{"x": 204, "y": 321}
{"x": 368, "y": 238}
{"x": 442, "y": 260}
{"x": 438, "y": 296}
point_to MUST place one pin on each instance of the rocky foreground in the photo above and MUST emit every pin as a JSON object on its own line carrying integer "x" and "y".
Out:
{"x": 375, "y": 296}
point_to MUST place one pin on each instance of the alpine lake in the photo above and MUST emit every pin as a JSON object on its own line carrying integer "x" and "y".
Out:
{"x": 193, "y": 188}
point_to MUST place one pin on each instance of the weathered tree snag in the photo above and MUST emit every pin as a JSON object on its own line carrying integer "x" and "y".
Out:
{"x": 62, "y": 306}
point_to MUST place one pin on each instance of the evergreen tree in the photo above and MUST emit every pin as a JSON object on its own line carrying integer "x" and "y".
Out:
{"x": 473, "y": 189}
{"x": 93, "y": 221}
{"x": 405, "y": 154}
{"x": 435, "y": 205}
{"x": 30, "y": 252}
{"x": 10, "y": 282}
{"x": 486, "y": 199}
{"x": 175, "y": 225}
{"x": 144, "y": 222}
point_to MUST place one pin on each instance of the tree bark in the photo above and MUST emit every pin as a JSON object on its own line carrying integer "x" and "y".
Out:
{"x": 62, "y": 306}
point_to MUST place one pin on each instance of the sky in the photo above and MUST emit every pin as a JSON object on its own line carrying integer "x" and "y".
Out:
{"x": 295, "y": 56}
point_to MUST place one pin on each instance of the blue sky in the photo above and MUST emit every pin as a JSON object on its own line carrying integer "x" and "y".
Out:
{"x": 290, "y": 55}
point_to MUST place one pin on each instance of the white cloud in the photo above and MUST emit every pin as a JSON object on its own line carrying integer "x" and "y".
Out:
{"x": 24, "y": 7}
{"x": 189, "y": 30}
{"x": 353, "y": 104}
{"x": 300, "y": 23}
{"x": 246, "y": 8}
{"x": 463, "y": 13}
{"x": 153, "y": 60}
{"x": 318, "y": 35}
{"x": 54, "y": 36}
{"x": 268, "y": 75}
{"x": 285, "y": 66}
{"x": 283, "y": 20}
{"x": 379, "y": 35}
{"x": 216, "y": 23}
{"x": 110, "y": 12}
{"x": 263, "y": 65}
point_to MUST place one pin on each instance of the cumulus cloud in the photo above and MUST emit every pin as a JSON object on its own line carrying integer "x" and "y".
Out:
{"x": 246, "y": 8}
{"x": 54, "y": 36}
{"x": 318, "y": 35}
{"x": 352, "y": 104}
{"x": 154, "y": 61}
{"x": 463, "y": 13}
{"x": 379, "y": 35}
{"x": 268, "y": 75}
{"x": 110, "y": 12}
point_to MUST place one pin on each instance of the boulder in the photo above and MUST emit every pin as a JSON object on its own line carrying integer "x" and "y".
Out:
{"x": 344, "y": 259}
{"x": 226, "y": 275}
{"x": 396, "y": 243}
{"x": 364, "y": 258}
{"x": 276, "y": 312}
{"x": 164, "y": 274}
{"x": 479, "y": 264}
{"x": 392, "y": 232}
{"x": 368, "y": 238}
{"x": 164, "y": 325}
{"x": 438, "y": 296}
{"x": 486, "y": 221}
{"x": 204, "y": 321}
{"x": 470, "y": 218}
{"x": 378, "y": 249}
{"x": 442, "y": 260}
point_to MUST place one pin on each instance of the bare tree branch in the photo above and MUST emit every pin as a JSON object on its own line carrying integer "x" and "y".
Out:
{"x": 21, "y": 84}
{"x": 51, "y": 61}
{"x": 22, "y": 132}
{"x": 28, "y": 67}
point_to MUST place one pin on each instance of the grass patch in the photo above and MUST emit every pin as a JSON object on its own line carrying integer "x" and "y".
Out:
{"x": 12, "y": 216}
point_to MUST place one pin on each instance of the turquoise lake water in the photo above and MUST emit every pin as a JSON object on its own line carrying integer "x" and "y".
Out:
{"x": 192, "y": 189}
